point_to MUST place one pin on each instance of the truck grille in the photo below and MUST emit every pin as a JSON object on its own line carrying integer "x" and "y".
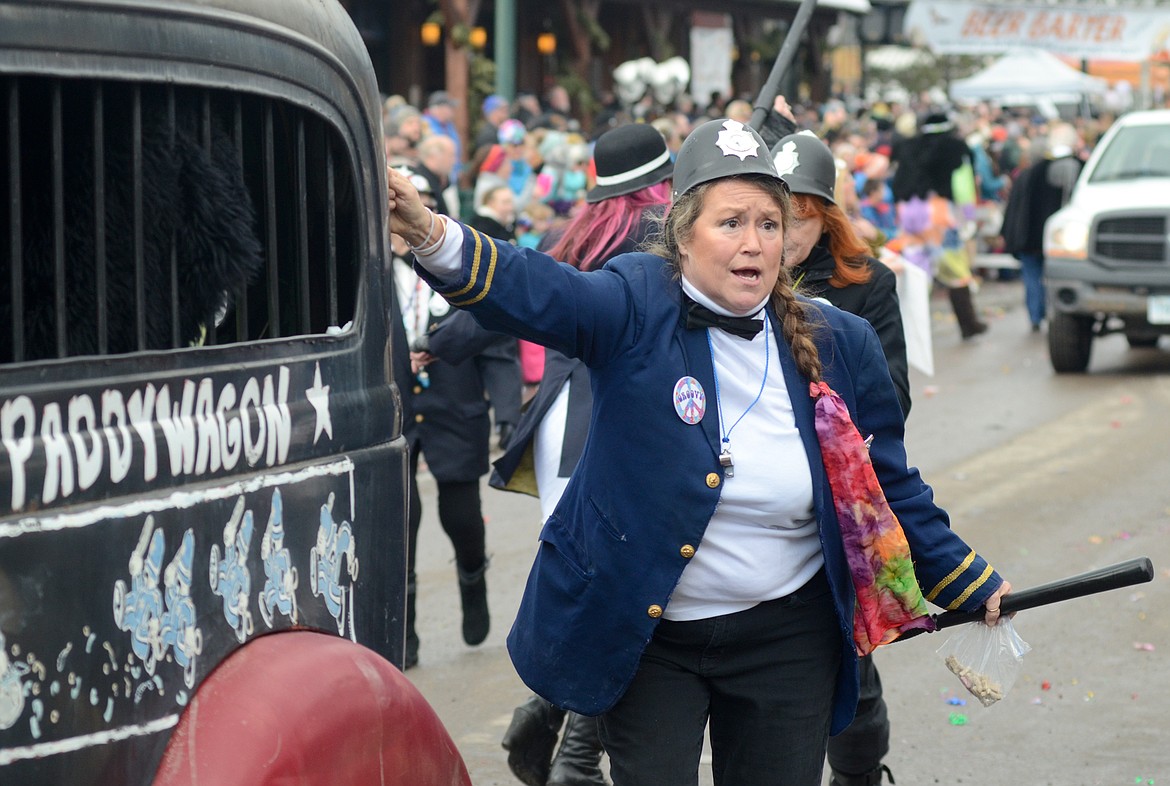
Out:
{"x": 1130, "y": 239}
{"x": 139, "y": 217}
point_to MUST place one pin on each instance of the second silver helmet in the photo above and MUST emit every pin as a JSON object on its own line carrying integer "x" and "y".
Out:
{"x": 806, "y": 164}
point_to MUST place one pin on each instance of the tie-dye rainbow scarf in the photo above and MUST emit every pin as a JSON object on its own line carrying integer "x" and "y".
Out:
{"x": 889, "y": 600}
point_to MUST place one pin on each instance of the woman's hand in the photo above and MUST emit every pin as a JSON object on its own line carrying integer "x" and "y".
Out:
{"x": 991, "y": 605}
{"x": 409, "y": 217}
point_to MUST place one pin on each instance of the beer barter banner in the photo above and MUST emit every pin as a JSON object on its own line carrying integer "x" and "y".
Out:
{"x": 1082, "y": 31}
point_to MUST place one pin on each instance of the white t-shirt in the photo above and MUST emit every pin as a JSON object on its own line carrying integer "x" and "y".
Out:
{"x": 762, "y": 543}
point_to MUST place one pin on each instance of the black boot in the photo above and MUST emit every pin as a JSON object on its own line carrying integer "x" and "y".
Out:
{"x": 964, "y": 308}
{"x": 871, "y": 778}
{"x": 577, "y": 760}
{"x": 473, "y": 594}
{"x": 530, "y": 740}
{"x": 411, "y": 658}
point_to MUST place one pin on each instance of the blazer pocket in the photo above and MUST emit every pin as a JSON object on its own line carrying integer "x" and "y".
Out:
{"x": 565, "y": 548}
{"x": 604, "y": 522}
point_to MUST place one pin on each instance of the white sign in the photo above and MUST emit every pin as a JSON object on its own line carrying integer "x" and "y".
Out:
{"x": 1087, "y": 32}
{"x": 711, "y": 49}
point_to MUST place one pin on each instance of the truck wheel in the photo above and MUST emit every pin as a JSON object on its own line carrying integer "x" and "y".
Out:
{"x": 1070, "y": 340}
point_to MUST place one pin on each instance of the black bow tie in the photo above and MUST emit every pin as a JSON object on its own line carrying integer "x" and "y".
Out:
{"x": 699, "y": 316}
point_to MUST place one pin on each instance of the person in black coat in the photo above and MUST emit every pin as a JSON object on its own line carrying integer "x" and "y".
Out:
{"x": 828, "y": 261}
{"x": 1037, "y": 193}
{"x": 496, "y": 217}
{"x": 451, "y": 358}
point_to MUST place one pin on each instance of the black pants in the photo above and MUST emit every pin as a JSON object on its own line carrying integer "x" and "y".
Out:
{"x": 763, "y": 678}
{"x": 865, "y": 742}
{"x": 461, "y": 516}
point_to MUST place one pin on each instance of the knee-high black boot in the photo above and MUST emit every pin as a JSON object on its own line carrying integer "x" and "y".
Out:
{"x": 964, "y": 308}
{"x": 530, "y": 740}
{"x": 578, "y": 759}
{"x": 473, "y": 595}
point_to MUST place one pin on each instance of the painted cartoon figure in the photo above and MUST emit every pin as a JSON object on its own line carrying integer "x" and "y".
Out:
{"x": 230, "y": 577}
{"x": 281, "y": 583}
{"x": 141, "y": 608}
{"x": 11, "y": 688}
{"x": 178, "y": 625}
{"x": 333, "y": 541}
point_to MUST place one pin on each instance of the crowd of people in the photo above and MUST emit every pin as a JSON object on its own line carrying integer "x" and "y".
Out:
{"x": 820, "y": 202}
{"x": 930, "y": 187}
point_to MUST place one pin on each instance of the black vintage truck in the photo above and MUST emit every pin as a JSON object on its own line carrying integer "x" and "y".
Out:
{"x": 202, "y": 505}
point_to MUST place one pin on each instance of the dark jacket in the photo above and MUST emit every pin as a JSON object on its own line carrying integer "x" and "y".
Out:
{"x": 452, "y": 425}
{"x": 925, "y": 164}
{"x": 647, "y": 483}
{"x": 1037, "y": 193}
{"x": 876, "y": 301}
{"x": 492, "y": 228}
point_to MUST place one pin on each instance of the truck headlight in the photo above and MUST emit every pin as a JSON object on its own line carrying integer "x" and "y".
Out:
{"x": 1066, "y": 237}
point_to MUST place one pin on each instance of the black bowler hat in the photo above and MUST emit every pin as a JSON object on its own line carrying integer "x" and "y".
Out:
{"x": 627, "y": 159}
{"x": 937, "y": 123}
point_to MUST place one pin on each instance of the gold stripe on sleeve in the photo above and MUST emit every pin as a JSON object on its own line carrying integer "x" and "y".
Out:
{"x": 487, "y": 279}
{"x": 474, "y": 267}
{"x": 974, "y": 585}
{"x": 954, "y": 574}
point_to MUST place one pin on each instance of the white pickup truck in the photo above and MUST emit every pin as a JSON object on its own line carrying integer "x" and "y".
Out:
{"x": 1107, "y": 253}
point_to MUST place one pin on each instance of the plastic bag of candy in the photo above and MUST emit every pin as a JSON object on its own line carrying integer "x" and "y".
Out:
{"x": 986, "y": 660}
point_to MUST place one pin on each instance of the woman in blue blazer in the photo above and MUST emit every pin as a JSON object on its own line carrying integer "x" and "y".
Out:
{"x": 694, "y": 570}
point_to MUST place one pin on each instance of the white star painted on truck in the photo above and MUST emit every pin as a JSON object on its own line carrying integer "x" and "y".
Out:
{"x": 318, "y": 396}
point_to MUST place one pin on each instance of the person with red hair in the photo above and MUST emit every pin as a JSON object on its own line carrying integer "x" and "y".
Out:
{"x": 828, "y": 260}
{"x": 630, "y": 193}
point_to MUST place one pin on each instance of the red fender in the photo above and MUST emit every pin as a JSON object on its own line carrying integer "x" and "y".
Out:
{"x": 309, "y": 709}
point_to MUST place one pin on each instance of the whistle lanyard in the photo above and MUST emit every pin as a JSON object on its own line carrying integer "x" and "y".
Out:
{"x": 725, "y": 459}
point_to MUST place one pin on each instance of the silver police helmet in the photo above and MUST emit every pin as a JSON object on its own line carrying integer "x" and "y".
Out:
{"x": 806, "y": 164}
{"x": 720, "y": 148}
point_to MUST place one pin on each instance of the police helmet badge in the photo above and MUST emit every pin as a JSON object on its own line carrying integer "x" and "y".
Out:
{"x": 735, "y": 140}
{"x": 787, "y": 159}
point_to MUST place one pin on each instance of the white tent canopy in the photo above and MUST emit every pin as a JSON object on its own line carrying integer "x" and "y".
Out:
{"x": 1027, "y": 77}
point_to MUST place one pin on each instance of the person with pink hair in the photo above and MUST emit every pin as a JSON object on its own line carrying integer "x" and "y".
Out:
{"x": 631, "y": 192}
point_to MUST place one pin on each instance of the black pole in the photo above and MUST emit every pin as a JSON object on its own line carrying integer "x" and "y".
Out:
{"x": 1124, "y": 574}
{"x": 771, "y": 87}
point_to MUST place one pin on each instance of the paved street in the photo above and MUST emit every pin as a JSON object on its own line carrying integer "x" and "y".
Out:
{"x": 1048, "y": 476}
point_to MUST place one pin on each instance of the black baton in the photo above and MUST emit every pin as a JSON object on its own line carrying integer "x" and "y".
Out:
{"x": 1124, "y": 574}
